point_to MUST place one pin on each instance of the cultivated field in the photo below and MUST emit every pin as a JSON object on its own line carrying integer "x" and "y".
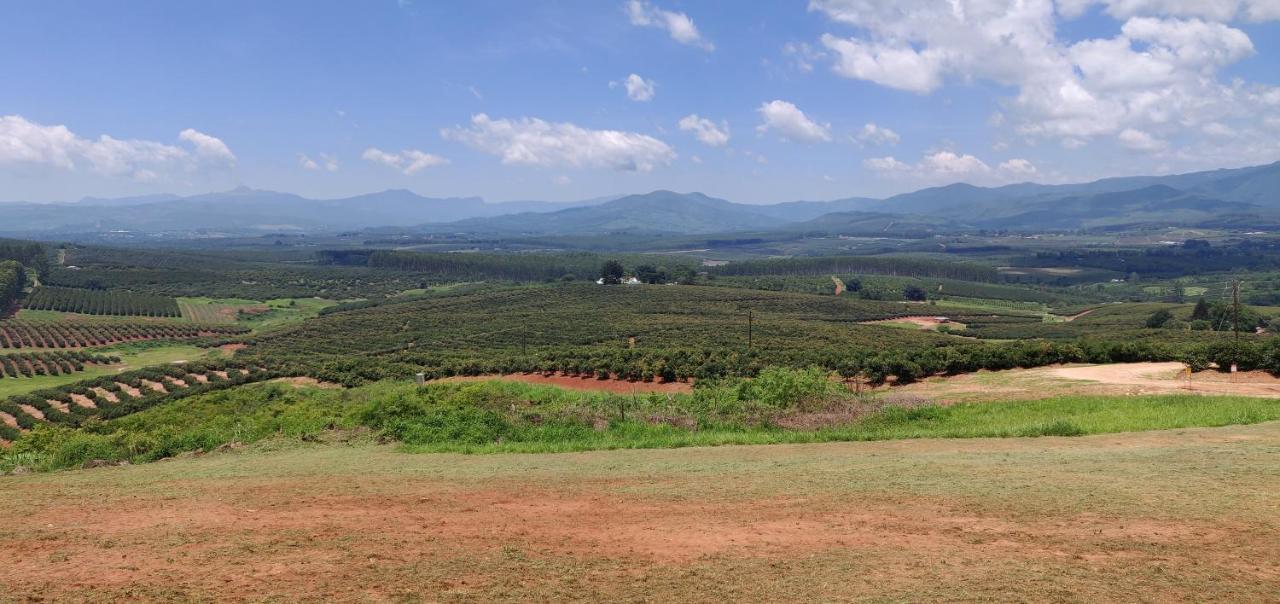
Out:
{"x": 1186, "y": 515}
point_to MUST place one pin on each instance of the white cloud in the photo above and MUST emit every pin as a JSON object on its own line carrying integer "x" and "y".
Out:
{"x": 534, "y": 142}
{"x": 948, "y": 166}
{"x": 325, "y": 162}
{"x": 25, "y": 142}
{"x": 1160, "y": 75}
{"x": 408, "y": 161}
{"x": 638, "y": 88}
{"x": 678, "y": 25}
{"x": 562, "y": 180}
{"x": 791, "y": 123}
{"x": 1139, "y": 140}
{"x": 707, "y": 131}
{"x": 898, "y": 67}
{"x": 208, "y": 146}
{"x": 878, "y": 135}
{"x": 1018, "y": 167}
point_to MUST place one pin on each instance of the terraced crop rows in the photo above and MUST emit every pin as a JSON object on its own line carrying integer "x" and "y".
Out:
{"x": 117, "y": 395}
{"x": 31, "y": 364}
{"x": 29, "y": 334}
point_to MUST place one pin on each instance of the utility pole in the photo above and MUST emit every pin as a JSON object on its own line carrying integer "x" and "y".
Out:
{"x": 1235, "y": 322}
{"x": 1235, "y": 310}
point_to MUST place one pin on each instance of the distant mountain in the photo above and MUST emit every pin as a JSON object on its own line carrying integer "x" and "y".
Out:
{"x": 1231, "y": 198}
{"x": 656, "y": 212}
{"x": 243, "y": 210}
{"x": 808, "y": 210}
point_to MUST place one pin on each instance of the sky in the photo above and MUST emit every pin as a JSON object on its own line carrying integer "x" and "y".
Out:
{"x": 563, "y": 100}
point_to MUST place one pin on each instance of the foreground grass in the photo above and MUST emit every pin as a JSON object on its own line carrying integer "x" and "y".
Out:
{"x": 501, "y": 416}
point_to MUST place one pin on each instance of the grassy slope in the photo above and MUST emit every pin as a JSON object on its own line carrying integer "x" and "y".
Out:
{"x": 1174, "y": 516}
{"x": 511, "y": 417}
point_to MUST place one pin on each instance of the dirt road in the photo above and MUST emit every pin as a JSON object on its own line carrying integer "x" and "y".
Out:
{"x": 1186, "y": 515}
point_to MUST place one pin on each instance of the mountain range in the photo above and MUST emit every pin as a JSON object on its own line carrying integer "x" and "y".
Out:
{"x": 1243, "y": 197}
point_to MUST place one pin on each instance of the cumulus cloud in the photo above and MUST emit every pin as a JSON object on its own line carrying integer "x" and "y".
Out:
{"x": 23, "y": 141}
{"x": 208, "y": 146}
{"x": 408, "y": 161}
{"x": 707, "y": 131}
{"x": 638, "y": 88}
{"x": 949, "y": 166}
{"x": 1160, "y": 75}
{"x": 872, "y": 134}
{"x": 791, "y": 123}
{"x": 678, "y": 25}
{"x": 535, "y": 142}
{"x": 325, "y": 162}
{"x": 1018, "y": 167}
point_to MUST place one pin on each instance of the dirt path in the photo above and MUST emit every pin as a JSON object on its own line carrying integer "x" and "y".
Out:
{"x": 8, "y": 420}
{"x": 1093, "y": 519}
{"x": 1082, "y": 313}
{"x": 589, "y": 384}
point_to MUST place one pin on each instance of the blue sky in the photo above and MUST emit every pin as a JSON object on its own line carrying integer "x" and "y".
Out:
{"x": 756, "y": 102}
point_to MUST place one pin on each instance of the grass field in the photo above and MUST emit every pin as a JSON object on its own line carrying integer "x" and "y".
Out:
{"x": 1187, "y": 515}
{"x": 257, "y": 315}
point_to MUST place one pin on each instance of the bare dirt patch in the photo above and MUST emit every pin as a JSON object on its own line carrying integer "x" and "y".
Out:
{"x": 59, "y": 405}
{"x": 1171, "y": 377}
{"x": 922, "y": 322}
{"x": 154, "y": 386}
{"x": 32, "y": 411}
{"x": 230, "y": 349}
{"x": 83, "y": 401}
{"x": 8, "y": 420}
{"x": 129, "y": 390}
{"x": 585, "y": 383}
{"x": 106, "y": 394}
{"x": 1111, "y": 379}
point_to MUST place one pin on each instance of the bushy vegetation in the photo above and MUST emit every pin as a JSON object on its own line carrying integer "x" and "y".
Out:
{"x": 27, "y": 253}
{"x": 101, "y": 302}
{"x": 778, "y": 406}
{"x": 13, "y": 278}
